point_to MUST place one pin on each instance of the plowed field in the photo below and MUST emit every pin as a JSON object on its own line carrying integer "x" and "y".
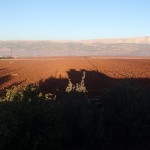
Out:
{"x": 31, "y": 70}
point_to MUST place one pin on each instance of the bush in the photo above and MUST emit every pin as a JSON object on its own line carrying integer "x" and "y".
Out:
{"x": 70, "y": 120}
{"x": 127, "y": 111}
{"x": 29, "y": 125}
{"x": 29, "y": 93}
{"x": 79, "y": 87}
{"x": 31, "y": 120}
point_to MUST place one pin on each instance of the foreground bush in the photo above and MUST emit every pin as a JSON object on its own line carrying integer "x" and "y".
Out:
{"x": 127, "y": 114}
{"x": 70, "y": 120}
{"x": 30, "y": 120}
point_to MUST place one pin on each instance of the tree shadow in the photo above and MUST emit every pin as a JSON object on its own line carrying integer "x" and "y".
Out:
{"x": 4, "y": 79}
{"x": 1, "y": 69}
{"x": 52, "y": 84}
{"x": 6, "y": 75}
{"x": 95, "y": 82}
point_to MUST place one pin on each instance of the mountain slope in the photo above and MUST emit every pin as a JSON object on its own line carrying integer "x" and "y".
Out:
{"x": 102, "y": 47}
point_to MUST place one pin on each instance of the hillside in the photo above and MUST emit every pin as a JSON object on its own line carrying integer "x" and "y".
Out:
{"x": 101, "y": 47}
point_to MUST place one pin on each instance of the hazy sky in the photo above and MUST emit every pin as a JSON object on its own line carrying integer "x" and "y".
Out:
{"x": 73, "y": 19}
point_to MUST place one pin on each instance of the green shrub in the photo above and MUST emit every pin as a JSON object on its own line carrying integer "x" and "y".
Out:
{"x": 79, "y": 87}
{"x": 29, "y": 93}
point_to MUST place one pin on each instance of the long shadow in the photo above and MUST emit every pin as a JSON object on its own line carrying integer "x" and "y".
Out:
{"x": 95, "y": 82}
{"x": 1, "y": 69}
{"x": 4, "y": 79}
{"x": 53, "y": 84}
{"x": 5, "y": 76}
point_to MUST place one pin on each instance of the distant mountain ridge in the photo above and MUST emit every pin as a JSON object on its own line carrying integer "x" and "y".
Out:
{"x": 137, "y": 40}
{"x": 100, "y": 47}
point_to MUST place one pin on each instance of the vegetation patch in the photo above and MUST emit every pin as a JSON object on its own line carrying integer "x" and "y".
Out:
{"x": 68, "y": 120}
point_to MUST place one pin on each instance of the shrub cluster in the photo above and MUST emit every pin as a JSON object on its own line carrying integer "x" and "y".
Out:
{"x": 70, "y": 120}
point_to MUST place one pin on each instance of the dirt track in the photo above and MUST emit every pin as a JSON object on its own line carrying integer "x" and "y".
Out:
{"x": 25, "y": 71}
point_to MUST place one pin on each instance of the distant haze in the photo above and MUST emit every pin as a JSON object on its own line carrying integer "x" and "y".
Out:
{"x": 99, "y": 47}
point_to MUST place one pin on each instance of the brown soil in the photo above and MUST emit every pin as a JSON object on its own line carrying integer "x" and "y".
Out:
{"x": 32, "y": 70}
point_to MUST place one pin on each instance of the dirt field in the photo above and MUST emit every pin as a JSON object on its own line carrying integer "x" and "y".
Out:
{"x": 32, "y": 70}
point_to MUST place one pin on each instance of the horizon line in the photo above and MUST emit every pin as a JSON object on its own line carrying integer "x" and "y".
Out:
{"x": 109, "y": 38}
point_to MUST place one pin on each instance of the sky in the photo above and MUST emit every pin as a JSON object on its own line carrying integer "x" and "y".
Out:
{"x": 73, "y": 19}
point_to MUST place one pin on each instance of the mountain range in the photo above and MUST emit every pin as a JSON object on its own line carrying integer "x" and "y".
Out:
{"x": 139, "y": 46}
